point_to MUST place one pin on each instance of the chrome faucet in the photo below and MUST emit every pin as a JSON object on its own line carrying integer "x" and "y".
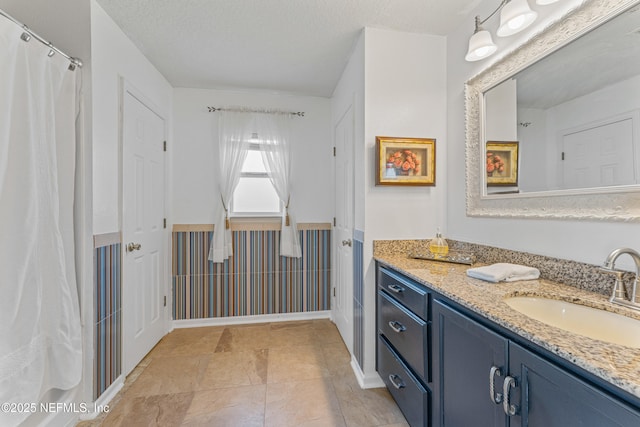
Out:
{"x": 618, "y": 296}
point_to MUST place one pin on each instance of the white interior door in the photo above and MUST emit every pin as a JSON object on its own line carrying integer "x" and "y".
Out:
{"x": 143, "y": 217}
{"x": 342, "y": 304}
{"x": 599, "y": 156}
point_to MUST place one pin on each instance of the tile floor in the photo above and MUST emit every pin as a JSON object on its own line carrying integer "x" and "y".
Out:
{"x": 273, "y": 374}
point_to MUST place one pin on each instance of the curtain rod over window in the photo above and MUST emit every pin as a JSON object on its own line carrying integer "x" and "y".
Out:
{"x": 251, "y": 110}
{"x": 28, "y": 33}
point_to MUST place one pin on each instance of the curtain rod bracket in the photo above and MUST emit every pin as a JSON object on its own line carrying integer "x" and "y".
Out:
{"x": 28, "y": 34}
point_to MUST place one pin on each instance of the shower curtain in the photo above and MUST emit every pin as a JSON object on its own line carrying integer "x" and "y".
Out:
{"x": 40, "y": 335}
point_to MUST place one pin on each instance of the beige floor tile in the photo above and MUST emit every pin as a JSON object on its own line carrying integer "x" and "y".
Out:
{"x": 338, "y": 359}
{"x": 168, "y": 375}
{"x": 188, "y": 342}
{"x": 296, "y": 363}
{"x": 326, "y": 331}
{"x": 232, "y": 369}
{"x": 280, "y": 374}
{"x": 364, "y": 408}
{"x": 302, "y": 403}
{"x": 90, "y": 423}
{"x": 242, "y": 338}
{"x": 287, "y": 334}
{"x": 160, "y": 410}
{"x": 232, "y": 407}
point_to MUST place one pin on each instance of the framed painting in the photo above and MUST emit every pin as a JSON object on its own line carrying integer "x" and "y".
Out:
{"x": 405, "y": 161}
{"x": 502, "y": 163}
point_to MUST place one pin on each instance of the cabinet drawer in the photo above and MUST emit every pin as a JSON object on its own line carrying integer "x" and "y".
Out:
{"x": 411, "y": 396}
{"x": 406, "y": 332}
{"x": 412, "y": 295}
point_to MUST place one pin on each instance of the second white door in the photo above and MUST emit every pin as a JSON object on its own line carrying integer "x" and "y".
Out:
{"x": 143, "y": 230}
{"x": 342, "y": 303}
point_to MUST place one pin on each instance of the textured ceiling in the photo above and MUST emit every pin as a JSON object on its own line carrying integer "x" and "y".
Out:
{"x": 295, "y": 46}
{"x": 609, "y": 54}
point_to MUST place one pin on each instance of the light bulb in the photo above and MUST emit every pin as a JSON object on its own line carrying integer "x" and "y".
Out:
{"x": 515, "y": 16}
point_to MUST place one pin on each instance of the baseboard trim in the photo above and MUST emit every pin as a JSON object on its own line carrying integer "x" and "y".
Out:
{"x": 366, "y": 381}
{"x": 260, "y": 318}
{"x": 102, "y": 403}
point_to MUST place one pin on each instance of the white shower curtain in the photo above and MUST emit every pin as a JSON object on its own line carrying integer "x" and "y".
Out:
{"x": 40, "y": 335}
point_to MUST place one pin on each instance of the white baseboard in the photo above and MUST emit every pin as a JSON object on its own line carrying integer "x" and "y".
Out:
{"x": 101, "y": 405}
{"x": 261, "y": 318}
{"x": 366, "y": 381}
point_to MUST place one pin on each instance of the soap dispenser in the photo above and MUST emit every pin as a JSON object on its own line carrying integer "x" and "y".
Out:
{"x": 439, "y": 246}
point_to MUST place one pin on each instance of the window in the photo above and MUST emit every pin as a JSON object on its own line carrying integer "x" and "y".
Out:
{"x": 255, "y": 195}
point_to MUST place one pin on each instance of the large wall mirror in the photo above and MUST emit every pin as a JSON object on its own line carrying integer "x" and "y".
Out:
{"x": 553, "y": 129}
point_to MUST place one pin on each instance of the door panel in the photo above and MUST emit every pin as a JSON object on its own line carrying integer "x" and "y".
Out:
{"x": 143, "y": 278}
{"x": 600, "y": 156}
{"x": 550, "y": 397}
{"x": 342, "y": 303}
{"x": 464, "y": 354}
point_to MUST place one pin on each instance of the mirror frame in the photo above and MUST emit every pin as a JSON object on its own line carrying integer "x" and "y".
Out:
{"x": 620, "y": 203}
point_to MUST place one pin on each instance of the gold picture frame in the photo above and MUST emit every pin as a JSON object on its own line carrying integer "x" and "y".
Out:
{"x": 405, "y": 161}
{"x": 502, "y": 163}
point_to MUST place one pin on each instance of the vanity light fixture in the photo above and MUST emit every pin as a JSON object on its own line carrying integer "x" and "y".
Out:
{"x": 515, "y": 16}
{"x": 481, "y": 44}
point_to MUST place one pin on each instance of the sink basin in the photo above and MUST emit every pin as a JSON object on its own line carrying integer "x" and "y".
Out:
{"x": 587, "y": 321}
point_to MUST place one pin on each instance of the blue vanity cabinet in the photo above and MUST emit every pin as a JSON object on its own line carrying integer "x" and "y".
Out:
{"x": 403, "y": 343}
{"x": 549, "y": 396}
{"x": 472, "y": 363}
{"x": 464, "y": 353}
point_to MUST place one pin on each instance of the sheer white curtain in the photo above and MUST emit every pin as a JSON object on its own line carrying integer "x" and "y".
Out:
{"x": 274, "y": 134}
{"x": 234, "y": 133}
{"x": 40, "y": 334}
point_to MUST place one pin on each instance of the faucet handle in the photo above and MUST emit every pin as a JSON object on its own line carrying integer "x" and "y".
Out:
{"x": 618, "y": 287}
{"x": 610, "y": 270}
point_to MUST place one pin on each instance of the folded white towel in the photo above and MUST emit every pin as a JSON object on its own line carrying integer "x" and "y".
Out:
{"x": 504, "y": 272}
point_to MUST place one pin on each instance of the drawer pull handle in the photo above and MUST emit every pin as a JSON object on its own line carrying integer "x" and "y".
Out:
{"x": 495, "y": 397}
{"x": 395, "y": 288}
{"x": 397, "y": 326}
{"x": 396, "y": 381}
{"x": 509, "y": 408}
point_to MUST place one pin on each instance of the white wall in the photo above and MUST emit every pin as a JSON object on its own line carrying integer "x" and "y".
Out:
{"x": 501, "y": 112}
{"x": 115, "y": 57}
{"x": 115, "y": 60}
{"x": 194, "y": 186}
{"x": 405, "y": 81}
{"x": 585, "y": 241}
{"x": 405, "y": 96}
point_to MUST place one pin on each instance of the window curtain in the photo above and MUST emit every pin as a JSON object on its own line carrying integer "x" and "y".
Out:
{"x": 40, "y": 332}
{"x": 274, "y": 134}
{"x": 233, "y": 142}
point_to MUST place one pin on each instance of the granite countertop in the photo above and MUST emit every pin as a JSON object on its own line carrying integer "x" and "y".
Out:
{"x": 614, "y": 363}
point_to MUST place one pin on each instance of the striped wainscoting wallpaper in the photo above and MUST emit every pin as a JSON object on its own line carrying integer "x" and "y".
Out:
{"x": 108, "y": 312}
{"x": 256, "y": 280}
{"x": 358, "y": 297}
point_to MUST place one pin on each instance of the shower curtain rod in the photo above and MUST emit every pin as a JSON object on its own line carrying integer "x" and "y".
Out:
{"x": 28, "y": 33}
{"x": 250, "y": 110}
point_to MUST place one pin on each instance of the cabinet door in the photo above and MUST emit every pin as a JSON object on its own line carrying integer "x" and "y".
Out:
{"x": 464, "y": 353}
{"x": 548, "y": 396}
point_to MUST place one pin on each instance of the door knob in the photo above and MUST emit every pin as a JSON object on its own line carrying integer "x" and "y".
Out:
{"x": 346, "y": 242}
{"x": 133, "y": 247}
